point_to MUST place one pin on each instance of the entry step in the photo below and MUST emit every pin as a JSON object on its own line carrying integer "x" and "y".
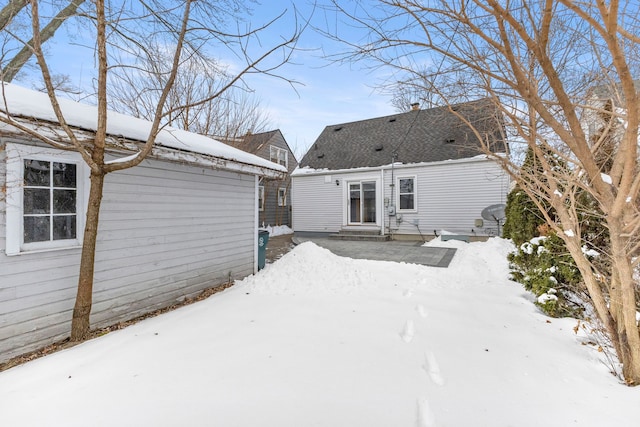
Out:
{"x": 372, "y": 235}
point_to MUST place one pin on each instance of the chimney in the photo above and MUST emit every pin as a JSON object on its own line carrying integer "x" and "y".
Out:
{"x": 415, "y": 106}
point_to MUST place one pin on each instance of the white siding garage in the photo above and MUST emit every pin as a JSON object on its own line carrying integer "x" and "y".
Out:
{"x": 166, "y": 231}
{"x": 183, "y": 220}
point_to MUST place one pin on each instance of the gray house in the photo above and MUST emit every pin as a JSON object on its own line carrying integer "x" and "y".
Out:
{"x": 408, "y": 175}
{"x": 184, "y": 220}
{"x": 274, "y": 207}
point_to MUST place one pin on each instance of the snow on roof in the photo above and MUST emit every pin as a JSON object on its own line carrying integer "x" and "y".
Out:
{"x": 29, "y": 103}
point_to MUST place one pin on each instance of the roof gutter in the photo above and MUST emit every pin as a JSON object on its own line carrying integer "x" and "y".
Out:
{"x": 302, "y": 171}
{"x": 125, "y": 146}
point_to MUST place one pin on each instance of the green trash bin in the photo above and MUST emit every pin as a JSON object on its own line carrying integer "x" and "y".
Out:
{"x": 263, "y": 239}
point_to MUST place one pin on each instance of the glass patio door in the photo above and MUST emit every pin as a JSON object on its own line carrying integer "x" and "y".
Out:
{"x": 362, "y": 202}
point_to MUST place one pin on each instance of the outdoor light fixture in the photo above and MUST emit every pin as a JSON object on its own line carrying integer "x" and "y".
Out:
{"x": 337, "y": 182}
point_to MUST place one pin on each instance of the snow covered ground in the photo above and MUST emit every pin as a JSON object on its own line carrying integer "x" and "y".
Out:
{"x": 319, "y": 340}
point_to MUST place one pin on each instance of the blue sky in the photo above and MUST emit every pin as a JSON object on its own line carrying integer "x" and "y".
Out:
{"x": 328, "y": 93}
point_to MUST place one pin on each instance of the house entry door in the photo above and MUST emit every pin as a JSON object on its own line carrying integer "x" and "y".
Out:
{"x": 362, "y": 202}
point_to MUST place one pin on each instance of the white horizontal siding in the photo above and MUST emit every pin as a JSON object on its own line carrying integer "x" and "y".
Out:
{"x": 451, "y": 197}
{"x": 166, "y": 231}
{"x": 3, "y": 186}
{"x": 317, "y": 205}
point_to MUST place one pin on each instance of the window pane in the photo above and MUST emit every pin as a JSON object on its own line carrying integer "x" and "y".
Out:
{"x": 261, "y": 198}
{"x": 36, "y": 229}
{"x": 354, "y": 202}
{"x": 64, "y": 175}
{"x": 406, "y": 201}
{"x": 406, "y": 186}
{"x": 368, "y": 186}
{"x": 369, "y": 202}
{"x": 64, "y": 227}
{"x": 36, "y": 201}
{"x": 36, "y": 173}
{"x": 64, "y": 201}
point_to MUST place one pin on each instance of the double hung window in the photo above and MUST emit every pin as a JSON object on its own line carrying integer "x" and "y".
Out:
{"x": 406, "y": 194}
{"x": 282, "y": 197}
{"x": 45, "y": 194}
{"x": 278, "y": 155}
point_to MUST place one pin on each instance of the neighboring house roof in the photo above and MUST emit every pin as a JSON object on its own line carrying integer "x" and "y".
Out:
{"x": 252, "y": 142}
{"x": 417, "y": 136}
{"x": 256, "y": 143}
{"x": 30, "y": 104}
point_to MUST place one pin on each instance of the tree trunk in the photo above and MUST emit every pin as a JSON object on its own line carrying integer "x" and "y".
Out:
{"x": 80, "y": 323}
{"x": 9, "y": 11}
{"x": 625, "y": 308}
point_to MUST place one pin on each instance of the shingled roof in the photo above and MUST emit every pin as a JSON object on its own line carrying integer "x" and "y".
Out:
{"x": 251, "y": 143}
{"x": 416, "y": 136}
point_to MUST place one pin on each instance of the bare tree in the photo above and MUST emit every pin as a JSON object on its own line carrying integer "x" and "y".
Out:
{"x": 562, "y": 74}
{"x": 123, "y": 31}
{"x": 135, "y": 91}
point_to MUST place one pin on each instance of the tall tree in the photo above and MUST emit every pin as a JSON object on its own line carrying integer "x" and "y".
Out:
{"x": 123, "y": 30}
{"x": 547, "y": 65}
{"x": 135, "y": 91}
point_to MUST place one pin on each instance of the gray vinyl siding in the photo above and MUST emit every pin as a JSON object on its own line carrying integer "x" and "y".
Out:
{"x": 166, "y": 231}
{"x": 317, "y": 204}
{"x": 451, "y": 197}
{"x": 3, "y": 221}
{"x": 272, "y": 213}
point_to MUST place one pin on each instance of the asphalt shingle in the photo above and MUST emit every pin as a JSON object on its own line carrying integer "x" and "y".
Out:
{"x": 416, "y": 136}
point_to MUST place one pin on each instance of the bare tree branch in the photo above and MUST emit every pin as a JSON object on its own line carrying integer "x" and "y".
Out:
{"x": 549, "y": 67}
{"x": 13, "y": 67}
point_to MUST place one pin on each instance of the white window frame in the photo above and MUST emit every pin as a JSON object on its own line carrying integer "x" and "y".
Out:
{"x": 16, "y": 155}
{"x": 282, "y": 197}
{"x": 261, "y": 198}
{"x": 415, "y": 193}
{"x": 279, "y": 154}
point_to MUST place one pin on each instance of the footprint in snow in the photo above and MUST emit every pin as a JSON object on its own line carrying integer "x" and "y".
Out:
{"x": 408, "y": 332}
{"x": 421, "y": 310}
{"x": 432, "y": 368}
{"x": 425, "y": 416}
{"x": 408, "y": 293}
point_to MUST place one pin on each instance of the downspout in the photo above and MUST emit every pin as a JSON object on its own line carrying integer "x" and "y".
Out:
{"x": 382, "y": 200}
{"x": 392, "y": 199}
{"x": 256, "y": 223}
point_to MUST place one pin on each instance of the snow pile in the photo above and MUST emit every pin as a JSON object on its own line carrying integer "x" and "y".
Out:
{"x": 485, "y": 260}
{"x": 324, "y": 273}
{"x": 319, "y": 340}
{"x": 278, "y": 230}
